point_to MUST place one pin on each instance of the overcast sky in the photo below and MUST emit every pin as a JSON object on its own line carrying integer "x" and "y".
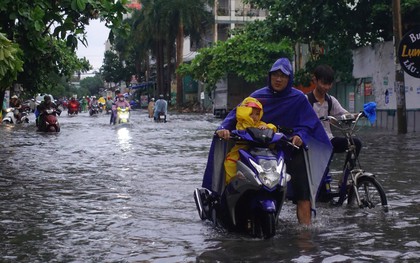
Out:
{"x": 97, "y": 34}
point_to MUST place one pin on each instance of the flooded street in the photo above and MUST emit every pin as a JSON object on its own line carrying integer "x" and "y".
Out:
{"x": 99, "y": 193}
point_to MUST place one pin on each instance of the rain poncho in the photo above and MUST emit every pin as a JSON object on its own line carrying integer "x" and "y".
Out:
{"x": 244, "y": 121}
{"x": 288, "y": 108}
{"x": 160, "y": 106}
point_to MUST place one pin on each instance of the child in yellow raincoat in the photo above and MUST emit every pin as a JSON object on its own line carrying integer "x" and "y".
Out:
{"x": 248, "y": 114}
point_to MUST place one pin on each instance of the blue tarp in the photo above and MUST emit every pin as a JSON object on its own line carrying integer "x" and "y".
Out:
{"x": 143, "y": 85}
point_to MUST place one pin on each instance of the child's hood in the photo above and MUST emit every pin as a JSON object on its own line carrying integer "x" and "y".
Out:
{"x": 243, "y": 112}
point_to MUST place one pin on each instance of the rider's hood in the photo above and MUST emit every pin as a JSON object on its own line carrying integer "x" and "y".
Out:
{"x": 284, "y": 65}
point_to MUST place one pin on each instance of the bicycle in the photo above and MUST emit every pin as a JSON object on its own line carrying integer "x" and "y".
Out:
{"x": 356, "y": 186}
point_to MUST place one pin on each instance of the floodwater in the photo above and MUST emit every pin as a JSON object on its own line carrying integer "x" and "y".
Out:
{"x": 99, "y": 193}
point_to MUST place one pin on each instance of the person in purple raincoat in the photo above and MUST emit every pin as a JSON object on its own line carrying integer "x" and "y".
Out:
{"x": 287, "y": 107}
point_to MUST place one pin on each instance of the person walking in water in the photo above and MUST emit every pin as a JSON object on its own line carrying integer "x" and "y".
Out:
{"x": 151, "y": 107}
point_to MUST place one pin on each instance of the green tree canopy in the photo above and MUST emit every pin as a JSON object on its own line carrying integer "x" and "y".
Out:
{"x": 336, "y": 26}
{"x": 92, "y": 84}
{"x": 112, "y": 68}
{"x": 40, "y": 27}
{"x": 154, "y": 31}
{"x": 249, "y": 53}
{"x": 10, "y": 62}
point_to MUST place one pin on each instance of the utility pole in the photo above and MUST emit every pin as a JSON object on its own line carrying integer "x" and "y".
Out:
{"x": 399, "y": 73}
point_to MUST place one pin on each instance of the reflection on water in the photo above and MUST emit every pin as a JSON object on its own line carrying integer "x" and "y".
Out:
{"x": 124, "y": 138}
{"x": 101, "y": 193}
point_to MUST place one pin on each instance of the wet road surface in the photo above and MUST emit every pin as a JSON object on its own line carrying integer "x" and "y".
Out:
{"x": 99, "y": 193}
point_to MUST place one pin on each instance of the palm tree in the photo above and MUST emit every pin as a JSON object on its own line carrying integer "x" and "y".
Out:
{"x": 186, "y": 18}
{"x": 150, "y": 32}
{"x": 158, "y": 26}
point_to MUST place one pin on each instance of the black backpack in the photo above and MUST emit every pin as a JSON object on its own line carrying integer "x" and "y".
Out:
{"x": 312, "y": 100}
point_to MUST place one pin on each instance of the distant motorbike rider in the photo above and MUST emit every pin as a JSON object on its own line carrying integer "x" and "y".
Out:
{"x": 84, "y": 103}
{"x": 161, "y": 106}
{"x": 108, "y": 105}
{"x": 93, "y": 101}
{"x": 45, "y": 105}
{"x": 17, "y": 105}
{"x": 120, "y": 102}
{"x": 113, "y": 108}
{"x": 94, "y": 106}
{"x": 73, "y": 103}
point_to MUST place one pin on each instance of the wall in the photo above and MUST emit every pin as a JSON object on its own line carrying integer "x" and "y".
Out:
{"x": 376, "y": 65}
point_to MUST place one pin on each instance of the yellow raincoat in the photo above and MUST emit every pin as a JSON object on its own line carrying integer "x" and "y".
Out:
{"x": 102, "y": 101}
{"x": 243, "y": 112}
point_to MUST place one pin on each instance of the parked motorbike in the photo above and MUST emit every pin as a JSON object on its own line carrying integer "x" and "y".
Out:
{"x": 123, "y": 115}
{"x": 94, "y": 110}
{"x": 72, "y": 108}
{"x": 48, "y": 121}
{"x": 252, "y": 201}
{"x": 10, "y": 117}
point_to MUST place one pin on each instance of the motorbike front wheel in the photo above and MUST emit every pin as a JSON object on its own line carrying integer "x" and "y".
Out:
{"x": 371, "y": 194}
{"x": 268, "y": 224}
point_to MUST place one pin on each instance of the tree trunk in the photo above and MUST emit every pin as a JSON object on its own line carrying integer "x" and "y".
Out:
{"x": 159, "y": 68}
{"x": 2, "y": 93}
{"x": 179, "y": 60}
{"x": 168, "y": 86}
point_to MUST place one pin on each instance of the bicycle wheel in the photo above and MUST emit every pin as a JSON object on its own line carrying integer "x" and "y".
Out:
{"x": 371, "y": 194}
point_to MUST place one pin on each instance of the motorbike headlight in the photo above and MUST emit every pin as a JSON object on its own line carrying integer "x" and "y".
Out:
{"x": 268, "y": 172}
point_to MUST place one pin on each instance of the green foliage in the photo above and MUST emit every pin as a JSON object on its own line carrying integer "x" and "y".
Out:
{"x": 247, "y": 54}
{"x": 337, "y": 26}
{"x": 43, "y": 29}
{"x": 10, "y": 62}
{"x": 154, "y": 30}
{"x": 70, "y": 62}
{"x": 92, "y": 84}
{"x": 56, "y": 86}
{"x": 112, "y": 69}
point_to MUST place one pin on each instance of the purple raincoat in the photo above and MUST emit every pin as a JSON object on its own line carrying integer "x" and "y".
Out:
{"x": 289, "y": 108}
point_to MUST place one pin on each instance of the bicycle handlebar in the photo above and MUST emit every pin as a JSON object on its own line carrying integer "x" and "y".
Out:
{"x": 346, "y": 122}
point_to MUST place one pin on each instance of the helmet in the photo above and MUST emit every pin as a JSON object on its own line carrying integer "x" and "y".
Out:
{"x": 161, "y": 96}
{"x": 14, "y": 97}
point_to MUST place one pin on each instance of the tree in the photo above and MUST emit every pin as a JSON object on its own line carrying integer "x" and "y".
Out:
{"x": 336, "y": 26}
{"x": 92, "y": 84}
{"x": 40, "y": 26}
{"x": 247, "y": 54}
{"x": 10, "y": 63}
{"x": 187, "y": 17}
{"x": 158, "y": 25}
{"x": 111, "y": 68}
